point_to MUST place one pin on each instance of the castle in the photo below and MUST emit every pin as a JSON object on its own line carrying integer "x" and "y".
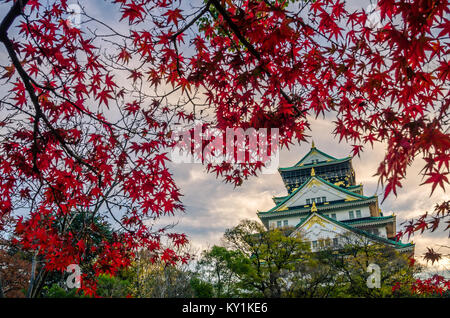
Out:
{"x": 327, "y": 206}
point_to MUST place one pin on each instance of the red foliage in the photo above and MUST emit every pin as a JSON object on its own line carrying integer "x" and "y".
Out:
{"x": 429, "y": 222}
{"x": 65, "y": 154}
{"x": 435, "y": 285}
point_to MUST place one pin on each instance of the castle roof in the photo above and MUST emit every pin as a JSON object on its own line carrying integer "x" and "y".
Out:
{"x": 370, "y": 220}
{"x": 393, "y": 243}
{"x": 305, "y": 162}
{"x": 346, "y": 194}
{"x": 327, "y": 184}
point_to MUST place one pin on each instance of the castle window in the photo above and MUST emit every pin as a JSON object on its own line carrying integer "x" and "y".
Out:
{"x": 308, "y": 201}
{"x": 278, "y": 223}
{"x": 358, "y": 213}
{"x": 333, "y": 216}
{"x": 285, "y": 223}
{"x": 313, "y": 200}
{"x": 335, "y": 241}
{"x": 314, "y": 244}
{"x": 318, "y": 200}
{"x": 324, "y": 199}
{"x": 351, "y": 215}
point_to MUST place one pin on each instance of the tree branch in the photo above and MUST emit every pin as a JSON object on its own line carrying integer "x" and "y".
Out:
{"x": 187, "y": 26}
{"x": 13, "y": 13}
{"x": 251, "y": 49}
{"x": 34, "y": 99}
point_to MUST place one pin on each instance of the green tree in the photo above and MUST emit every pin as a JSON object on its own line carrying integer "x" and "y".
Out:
{"x": 214, "y": 269}
{"x": 155, "y": 278}
{"x": 201, "y": 288}
{"x": 255, "y": 262}
{"x": 357, "y": 261}
{"x": 118, "y": 286}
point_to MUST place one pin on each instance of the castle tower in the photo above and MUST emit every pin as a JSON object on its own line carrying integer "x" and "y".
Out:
{"x": 326, "y": 204}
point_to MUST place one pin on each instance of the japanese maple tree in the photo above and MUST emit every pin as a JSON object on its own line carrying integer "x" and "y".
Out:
{"x": 75, "y": 145}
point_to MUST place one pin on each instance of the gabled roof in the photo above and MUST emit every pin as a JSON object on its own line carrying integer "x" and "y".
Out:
{"x": 286, "y": 199}
{"x": 306, "y": 210}
{"x": 356, "y": 186}
{"x": 276, "y": 200}
{"x": 369, "y": 220}
{"x": 312, "y": 151}
{"x": 355, "y": 230}
{"x": 319, "y": 164}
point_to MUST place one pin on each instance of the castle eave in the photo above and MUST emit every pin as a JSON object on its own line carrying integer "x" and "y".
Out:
{"x": 320, "y": 208}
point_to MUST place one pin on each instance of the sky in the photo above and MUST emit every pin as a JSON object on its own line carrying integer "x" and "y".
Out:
{"x": 212, "y": 206}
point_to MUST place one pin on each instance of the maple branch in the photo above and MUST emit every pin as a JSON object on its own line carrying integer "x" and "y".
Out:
{"x": 252, "y": 50}
{"x": 103, "y": 24}
{"x": 13, "y": 13}
{"x": 54, "y": 90}
{"x": 303, "y": 24}
{"x": 187, "y": 26}
{"x": 117, "y": 221}
{"x": 34, "y": 99}
{"x": 236, "y": 30}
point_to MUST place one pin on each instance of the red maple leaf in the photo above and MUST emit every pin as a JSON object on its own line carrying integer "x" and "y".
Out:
{"x": 173, "y": 16}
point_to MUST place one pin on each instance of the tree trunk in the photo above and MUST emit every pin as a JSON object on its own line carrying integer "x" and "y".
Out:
{"x": 39, "y": 282}
{"x": 32, "y": 278}
{"x": 1, "y": 288}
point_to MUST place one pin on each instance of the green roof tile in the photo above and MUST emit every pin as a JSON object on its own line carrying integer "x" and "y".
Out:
{"x": 359, "y": 231}
{"x": 332, "y": 159}
{"x": 370, "y": 219}
{"x": 324, "y": 181}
